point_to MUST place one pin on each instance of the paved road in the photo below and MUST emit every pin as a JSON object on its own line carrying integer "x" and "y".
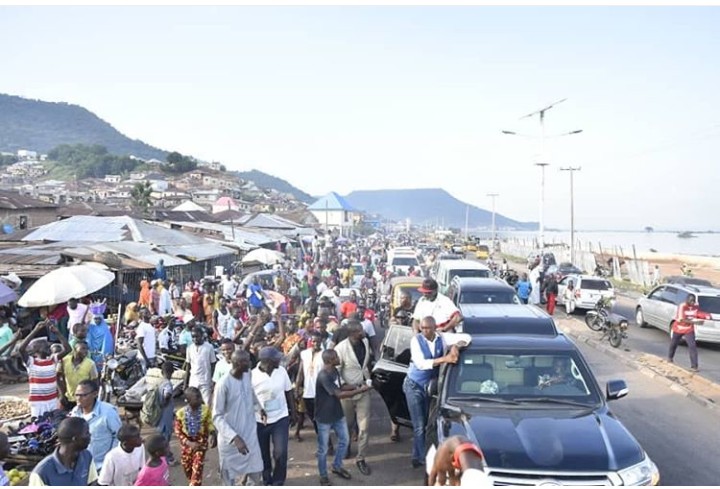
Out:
{"x": 678, "y": 434}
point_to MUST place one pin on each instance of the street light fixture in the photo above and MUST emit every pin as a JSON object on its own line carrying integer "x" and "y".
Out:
{"x": 572, "y": 171}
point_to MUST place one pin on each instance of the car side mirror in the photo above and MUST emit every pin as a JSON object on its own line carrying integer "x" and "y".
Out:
{"x": 432, "y": 388}
{"x": 616, "y": 389}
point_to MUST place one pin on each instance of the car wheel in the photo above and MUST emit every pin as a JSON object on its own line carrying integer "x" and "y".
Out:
{"x": 640, "y": 318}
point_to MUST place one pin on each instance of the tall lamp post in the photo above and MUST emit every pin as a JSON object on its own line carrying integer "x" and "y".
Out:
{"x": 572, "y": 171}
{"x": 542, "y": 163}
{"x": 493, "y": 217}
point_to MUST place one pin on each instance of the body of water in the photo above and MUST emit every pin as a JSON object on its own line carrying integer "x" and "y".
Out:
{"x": 706, "y": 244}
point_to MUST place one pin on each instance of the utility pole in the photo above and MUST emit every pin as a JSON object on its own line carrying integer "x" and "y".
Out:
{"x": 493, "y": 218}
{"x": 467, "y": 216}
{"x": 542, "y": 204}
{"x": 572, "y": 171}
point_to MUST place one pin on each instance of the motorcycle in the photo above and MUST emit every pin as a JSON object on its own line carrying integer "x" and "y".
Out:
{"x": 613, "y": 326}
{"x": 510, "y": 276}
{"x": 119, "y": 373}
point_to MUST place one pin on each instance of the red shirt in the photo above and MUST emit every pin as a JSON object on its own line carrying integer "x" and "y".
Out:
{"x": 348, "y": 308}
{"x": 684, "y": 317}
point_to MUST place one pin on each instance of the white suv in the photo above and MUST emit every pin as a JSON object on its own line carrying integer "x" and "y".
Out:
{"x": 589, "y": 289}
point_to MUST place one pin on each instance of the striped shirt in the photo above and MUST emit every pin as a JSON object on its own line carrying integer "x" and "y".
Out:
{"x": 42, "y": 379}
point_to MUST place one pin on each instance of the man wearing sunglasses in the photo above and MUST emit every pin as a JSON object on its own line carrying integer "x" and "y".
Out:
{"x": 436, "y": 305}
{"x": 102, "y": 418}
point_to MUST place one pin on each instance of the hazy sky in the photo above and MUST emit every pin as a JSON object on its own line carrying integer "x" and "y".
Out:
{"x": 345, "y": 98}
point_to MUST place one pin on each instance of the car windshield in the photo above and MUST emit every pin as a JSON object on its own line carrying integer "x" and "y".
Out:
{"x": 592, "y": 284}
{"x": 405, "y": 261}
{"x": 709, "y": 304}
{"x": 489, "y": 297}
{"x": 411, "y": 289}
{"x": 469, "y": 273}
{"x": 527, "y": 378}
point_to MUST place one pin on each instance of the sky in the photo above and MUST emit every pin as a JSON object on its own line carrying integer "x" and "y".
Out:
{"x": 360, "y": 98}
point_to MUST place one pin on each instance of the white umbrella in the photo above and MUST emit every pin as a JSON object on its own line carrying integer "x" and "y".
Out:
{"x": 66, "y": 283}
{"x": 264, "y": 256}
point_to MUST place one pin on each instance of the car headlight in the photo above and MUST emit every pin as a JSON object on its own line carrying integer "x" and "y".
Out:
{"x": 645, "y": 473}
{"x": 113, "y": 364}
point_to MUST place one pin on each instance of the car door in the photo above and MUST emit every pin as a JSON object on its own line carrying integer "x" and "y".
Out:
{"x": 562, "y": 285}
{"x": 389, "y": 372}
{"x": 671, "y": 298}
{"x": 651, "y": 305}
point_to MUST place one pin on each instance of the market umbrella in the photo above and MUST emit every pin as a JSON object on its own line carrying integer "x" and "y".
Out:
{"x": 63, "y": 284}
{"x": 264, "y": 256}
{"x": 7, "y": 294}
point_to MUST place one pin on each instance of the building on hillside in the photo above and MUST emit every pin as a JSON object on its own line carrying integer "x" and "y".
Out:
{"x": 333, "y": 212}
{"x": 112, "y": 178}
{"x": 189, "y": 206}
{"x": 225, "y": 204}
{"x": 19, "y": 212}
{"x": 26, "y": 154}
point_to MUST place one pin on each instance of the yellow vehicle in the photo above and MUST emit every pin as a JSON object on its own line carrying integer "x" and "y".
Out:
{"x": 470, "y": 247}
{"x": 398, "y": 285}
{"x": 482, "y": 252}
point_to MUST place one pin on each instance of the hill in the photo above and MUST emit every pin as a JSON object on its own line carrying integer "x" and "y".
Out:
{"x": 263, "y": 180}
{"x": 41, "y": 126}
{"x": 428, "y": 206}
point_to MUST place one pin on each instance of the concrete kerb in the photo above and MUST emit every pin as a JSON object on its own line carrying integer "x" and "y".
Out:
{"x": 642, "y": 363}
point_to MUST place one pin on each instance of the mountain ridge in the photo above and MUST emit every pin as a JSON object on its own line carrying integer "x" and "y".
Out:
{"x": 429, "y": 206}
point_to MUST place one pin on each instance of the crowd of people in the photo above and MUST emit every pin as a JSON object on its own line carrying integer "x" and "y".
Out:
{"x": 262, "y": 360}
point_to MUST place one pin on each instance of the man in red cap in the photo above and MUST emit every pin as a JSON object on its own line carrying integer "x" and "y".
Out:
{"x": 440, "y": 307}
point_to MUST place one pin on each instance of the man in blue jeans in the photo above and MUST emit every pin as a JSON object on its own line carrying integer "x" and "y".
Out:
{"x": 428, "y": 350}
{"x": 329, "y": 415}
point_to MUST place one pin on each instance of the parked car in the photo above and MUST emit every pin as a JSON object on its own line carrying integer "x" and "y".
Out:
{"x": 400, "y": 261}
{"x": 658, "y": 309}
{"x": 588, "y": 289}
{"x": 532, "y": 404}
{"x": 475, "y": 290}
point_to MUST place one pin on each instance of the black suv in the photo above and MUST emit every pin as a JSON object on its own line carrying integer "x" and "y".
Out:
{"x": 481, "y": 290}
{"x": 505, "y": 319}
{"x": 531, "y": 403}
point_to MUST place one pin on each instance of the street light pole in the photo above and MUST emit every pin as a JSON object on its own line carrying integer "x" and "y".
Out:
{"x": 493, "y": 217}
{"x": 541, "y": 230}
{"x": 572, "y": 171}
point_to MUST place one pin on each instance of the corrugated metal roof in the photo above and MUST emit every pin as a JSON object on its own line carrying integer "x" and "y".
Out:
{"x": 199, "y": 253}
{"x": 331, "y": 202}
{"x": 108, "y": 229}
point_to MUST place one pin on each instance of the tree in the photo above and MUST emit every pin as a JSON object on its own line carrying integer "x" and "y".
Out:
{"x": 174, "y": 158}
{"x": 141, "y": 196}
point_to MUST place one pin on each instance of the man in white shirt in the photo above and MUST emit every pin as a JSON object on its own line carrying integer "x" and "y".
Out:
{"x": 436, "y": 305}
{"x": 77, "y": 314}
{"x": 145, "y": 336}
{"x": 200, "y": 358}
{"x": 428, "y": 350}
{"x": 273, "y": 389}
{"x": 230, "y": 288}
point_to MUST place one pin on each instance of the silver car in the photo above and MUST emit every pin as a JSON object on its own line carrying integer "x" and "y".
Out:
{"x": 659, "y": 307}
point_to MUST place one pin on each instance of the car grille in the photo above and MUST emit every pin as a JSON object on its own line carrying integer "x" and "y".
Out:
{"x": 523, "y": 478}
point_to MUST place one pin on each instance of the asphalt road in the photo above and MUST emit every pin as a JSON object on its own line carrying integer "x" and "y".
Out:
{"x": 680, "y": 436}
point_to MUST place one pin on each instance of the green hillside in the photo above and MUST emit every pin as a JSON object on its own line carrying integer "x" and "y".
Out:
{"x": 41, "y": 126}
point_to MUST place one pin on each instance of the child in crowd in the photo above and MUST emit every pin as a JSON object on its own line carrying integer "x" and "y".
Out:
{"x": 79, "y": 332}
{"x": 156, "y": 471}
{"x": 167, "y": 418}
{"x": 123, "y": 463}
{"x": 194, "y": 428}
